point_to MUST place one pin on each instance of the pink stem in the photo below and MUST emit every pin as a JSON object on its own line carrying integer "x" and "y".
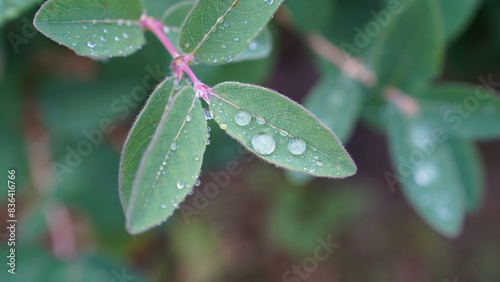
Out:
{"x": 180, "y": 62}
{"x": 156, "y": 27}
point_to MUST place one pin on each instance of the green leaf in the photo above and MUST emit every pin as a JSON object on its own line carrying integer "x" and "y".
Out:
{"x": 470, "y": 169}
{"x": 156, "y": 8}
{"x": 173, "y": 19}
{"x": 457, "y": 16}
{"x": 279, "y": 131}
{"x": 215, "y": 31}
{"x": 312, "y": 14}
{"x": 428, "y": 172}
{"x": 468, "y": 111}
{"x": 162, "y": 156}
{"x": 336, "y": 101}
{"x": 103, "y": 28}
{"x": 409, "y": 50}
{"x": 12, "y": 9}
{"x": 259, "y": 48}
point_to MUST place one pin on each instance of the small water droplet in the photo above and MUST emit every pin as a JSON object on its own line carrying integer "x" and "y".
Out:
{"x": 316, "y": 157}
{"x": 103, "y": 39}
{"x": 208, "y": 114}
{"x": 319, "y": 163}
{"x": 117, "y": 38}
{"x": 209, "y": 129}
{"x": 84, "y": 27}
{"x": 223, "y": 45}
{"x": 125, "y": 35}
{"x": 236, "y": 39}
{"x": 306, "y": 167}
{"x": 197, "y": 183}
{"x": 296, "y": 146}
{"x": 289, "y": 159}
{"x": 180, "y": 185}
{"x": 214, "y": 60}
{"x": 223, "y": 126}
{"x": 163, "y": 206}
{"x": 174, "y": 146}
{"x": 245, "y": 21}
{"x": 311, "y": 170}
{"x": 105, "y": 30}
{"x": 188, "y": 118}
{"x": 283, "y": 133}
{"x": 166, "y": 29}
{"x": 263, "y": 143}
{"x": 91, "y": 44}
{"x": 207, "y": 142}
{"x": 261, "y": 120}
{"x": 242, "y": 118}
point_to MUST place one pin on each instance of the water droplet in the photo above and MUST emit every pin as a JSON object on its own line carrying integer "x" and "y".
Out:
{"x": 84, "y": 27}
{"x": 103, "y": 39}
{"x": 296, "y": 146}
{"x": 166, "y": 29}
{"x": 91, "y": 44}
{"x": 163, "y": 206}
{"x": 261, "y": 120}
{"x": 242, "y": 118}
{"x": 223, "y": 126}
{"x": 223, "y": 45}
{"x": 117, "y": 38}
{"x": 311, "y": 170}
{"x": 214, "y": 60}
{"x": 207, "y": 142}
{"x": 105, "y": 30}
{"x": 125, "y": 35}
{"x": 180, "y": 185}
{"x": 196, "y": 157}
{"x": 209, "y": 129}
{"x": 283, "y": 133}
{"x": 188, "y": 118}
{"x": 245, "y": 21}
{"x": 208, "y": 114}
{"x": 174, "y": 146}
{"x": 319, "y": 163}
{"x": 164, "y": 163}
{"x": 316, "y": 157}
{"x": 425, "y": 174}
{"x": 306, "y": 167}
{"x": 252, "y": 45}
{"x": 289, "y": 159}
{"x": 263, "y": 143}
{"x": 197, "y": 183}
{"x": 236, "y": 39}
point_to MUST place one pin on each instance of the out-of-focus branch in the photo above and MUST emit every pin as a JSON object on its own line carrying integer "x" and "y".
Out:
{"x": 59, "y": 222}
{"x": 349, "y": 65}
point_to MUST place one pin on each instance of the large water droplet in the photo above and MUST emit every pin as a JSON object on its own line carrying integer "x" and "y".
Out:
{"x": 180, "y": 185}
{"x": 263, "y": 143}
{"x": 242, "y": 118}
{"x": 296, "y": 146}
{"x": 174, "y": 146}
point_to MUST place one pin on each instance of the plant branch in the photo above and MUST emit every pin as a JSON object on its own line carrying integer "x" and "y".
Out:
{"x": 180, "y": 63}
{"x": 402, "y": 101}
{"x": 349, "y": 65}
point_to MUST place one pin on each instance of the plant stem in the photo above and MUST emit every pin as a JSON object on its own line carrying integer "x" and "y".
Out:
{"x": 180, "y": 63}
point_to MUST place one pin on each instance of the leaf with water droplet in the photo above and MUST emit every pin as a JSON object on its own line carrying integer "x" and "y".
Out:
{"x": 157, "y": 165}
{"x": 241, "y": 106}
{"x": 427, "y": 170}
{"x": 467, "y": 111}
{"x": 233, "y": 23}
{"x": 82, "y": 26}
